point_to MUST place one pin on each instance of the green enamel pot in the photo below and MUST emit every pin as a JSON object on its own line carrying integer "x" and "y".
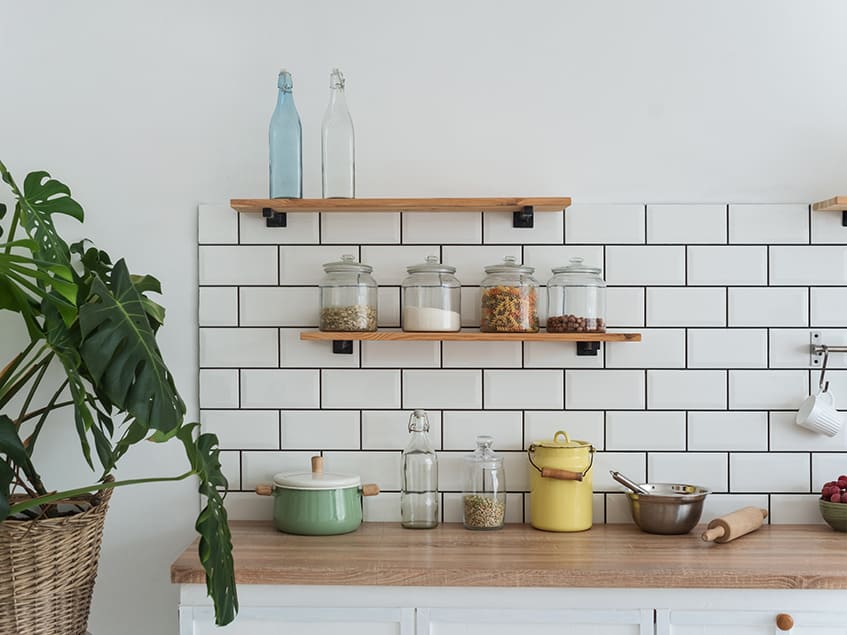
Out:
{"x": 317, "y": 503}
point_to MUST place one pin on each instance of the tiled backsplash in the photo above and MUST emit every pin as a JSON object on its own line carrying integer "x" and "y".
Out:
{"x": 724, "y": 295}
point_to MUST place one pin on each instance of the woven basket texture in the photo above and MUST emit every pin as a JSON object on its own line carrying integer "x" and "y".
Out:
{"x": 47, "y": 571}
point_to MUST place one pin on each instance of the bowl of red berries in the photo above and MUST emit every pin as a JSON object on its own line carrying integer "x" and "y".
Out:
{"x": 833, "y": 503}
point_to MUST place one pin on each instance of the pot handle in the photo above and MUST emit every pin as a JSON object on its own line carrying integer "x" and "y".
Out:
{"x": 370, "y": 489}
{"x": 264, "y": 490}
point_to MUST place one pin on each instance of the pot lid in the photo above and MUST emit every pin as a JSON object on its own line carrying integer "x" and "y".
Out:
{"x": 316, "y": 480}
{"x": 431, "y": 266}
{"x": 561, "y": 440}
{"x": 347, "y": 263}
{"x": 510, "y": 264}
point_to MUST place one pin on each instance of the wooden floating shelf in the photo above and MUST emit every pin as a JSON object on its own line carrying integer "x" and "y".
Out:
{"x": 469, "y": 336}
{"x": 834, "y": 204}
{"x": 491, "y": 204}
{"x": 586, "y": 343}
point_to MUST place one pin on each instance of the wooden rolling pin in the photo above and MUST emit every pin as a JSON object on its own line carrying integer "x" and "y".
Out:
{"x": 734, "y": 525}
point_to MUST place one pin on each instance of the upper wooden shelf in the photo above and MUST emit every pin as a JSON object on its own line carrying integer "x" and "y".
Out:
{"x": 491, "y": 204}
{"x": 834, "y": 204}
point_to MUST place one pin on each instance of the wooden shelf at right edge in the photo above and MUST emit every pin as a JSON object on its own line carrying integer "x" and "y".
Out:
{"x": 834, "y": 204}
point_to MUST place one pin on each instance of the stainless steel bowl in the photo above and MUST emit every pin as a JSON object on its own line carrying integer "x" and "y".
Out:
{"x": 667, "y": 508}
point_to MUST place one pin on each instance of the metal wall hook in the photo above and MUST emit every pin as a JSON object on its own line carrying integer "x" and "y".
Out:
{"x": 824, "y": 386}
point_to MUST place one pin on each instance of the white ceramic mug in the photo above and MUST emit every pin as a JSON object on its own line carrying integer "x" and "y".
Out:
{"x": 818, "y": 413}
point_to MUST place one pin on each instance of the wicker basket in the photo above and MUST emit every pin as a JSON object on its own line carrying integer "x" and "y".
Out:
{"x": 47, "y": 571}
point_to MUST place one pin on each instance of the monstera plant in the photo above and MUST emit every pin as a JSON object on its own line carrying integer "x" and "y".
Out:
{"x": 90, "y": 360}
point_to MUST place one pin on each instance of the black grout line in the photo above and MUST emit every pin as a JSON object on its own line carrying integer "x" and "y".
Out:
{"x": 529, "y": 244}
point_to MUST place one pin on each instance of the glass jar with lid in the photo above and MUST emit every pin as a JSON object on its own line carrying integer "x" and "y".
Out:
{"x": 348, "y": 296}
{"x": 509, "y": 299}
{"x": 576, "y": 299}
{"x": 484, "y": 499}
{"x": 431, "y": 298}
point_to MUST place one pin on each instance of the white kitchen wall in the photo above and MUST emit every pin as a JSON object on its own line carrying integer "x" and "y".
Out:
{"x": 147, "y": 108}
{"x": 707, "y": 397}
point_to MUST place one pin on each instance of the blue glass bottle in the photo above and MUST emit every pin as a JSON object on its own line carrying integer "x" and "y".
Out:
{"x": 286, "y": 143}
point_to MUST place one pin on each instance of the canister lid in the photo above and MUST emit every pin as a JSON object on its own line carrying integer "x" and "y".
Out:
{"x": 316, "y": 480}
{"x": 431, "y": 266}
{"x": 348, "y": 262}
{"x": 509, "y": 265}
{"x": 576, "y": 266}
{"x": 484, "y": 456}
{"x": 561, "y": 440}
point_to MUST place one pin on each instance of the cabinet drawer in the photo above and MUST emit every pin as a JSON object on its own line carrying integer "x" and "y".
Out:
{"x": 494, "y": 621}
{"x": 720, "y": 622}
{"x": 314, "y": 621}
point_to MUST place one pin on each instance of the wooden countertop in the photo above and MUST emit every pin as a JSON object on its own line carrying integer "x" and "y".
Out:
{"x": 774, "y": 557}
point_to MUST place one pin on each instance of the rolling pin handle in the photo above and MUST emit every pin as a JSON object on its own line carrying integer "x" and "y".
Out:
{"x": 264, "y": 490}
{"x": 784, "y": 622}
{"x": 713, "y": 533}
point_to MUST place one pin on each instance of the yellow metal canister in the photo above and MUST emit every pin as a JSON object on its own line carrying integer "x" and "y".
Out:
{"x": 560, "y": 484}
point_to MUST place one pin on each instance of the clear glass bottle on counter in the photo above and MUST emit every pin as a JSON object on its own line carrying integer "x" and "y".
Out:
{"x": 431, "y": 298}
{"x": 419, "y": 477}
{"x": 576, "y": 299}
{"x": 509, "y": 299}
{"x": 348, "y": 296}
{"x": 285, "y": 137}
{"x": 484, "y": 499}
{"x": 338, "y": 147}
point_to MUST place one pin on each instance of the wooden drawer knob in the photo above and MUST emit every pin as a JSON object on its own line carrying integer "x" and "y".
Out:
{"x": 784, "y": 622}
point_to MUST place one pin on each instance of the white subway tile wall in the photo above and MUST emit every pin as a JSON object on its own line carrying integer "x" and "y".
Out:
{"x": 728, "y": 294}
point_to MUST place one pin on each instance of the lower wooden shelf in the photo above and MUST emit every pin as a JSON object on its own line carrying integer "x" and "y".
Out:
{"x": 587, "y": 343}
{"x": 470, "y": 336}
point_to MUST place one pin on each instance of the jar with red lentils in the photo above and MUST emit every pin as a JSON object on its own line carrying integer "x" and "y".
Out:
{"x": 509, "y": 299}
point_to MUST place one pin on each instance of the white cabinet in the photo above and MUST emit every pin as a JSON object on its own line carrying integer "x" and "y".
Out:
{"x": 720, "y": 622}
{"x": 294, "y": 621}
{"x": 385, "y": 610}
{"x": 500, "y": 621}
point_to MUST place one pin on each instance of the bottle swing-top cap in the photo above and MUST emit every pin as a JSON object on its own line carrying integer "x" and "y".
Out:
{"x": 284, "y": 81}
{"x": 336, "y": 79}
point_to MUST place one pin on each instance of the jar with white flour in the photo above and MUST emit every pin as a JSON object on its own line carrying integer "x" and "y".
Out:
{"x": 431, "y": 298}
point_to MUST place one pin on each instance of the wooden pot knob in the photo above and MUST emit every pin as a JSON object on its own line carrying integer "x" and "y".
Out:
{"x": 784, "y": 622}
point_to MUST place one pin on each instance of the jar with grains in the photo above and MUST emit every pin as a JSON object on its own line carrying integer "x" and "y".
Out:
{"x": 484, "y": 497}
{"x": 509, "y": 299}
{"x": 431, "y": 298}
{"x": 348, "y": 296}
{"x": 576, "y": 299}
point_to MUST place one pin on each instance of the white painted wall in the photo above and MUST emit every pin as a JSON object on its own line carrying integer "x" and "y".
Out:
{"x": 147, "y": 108}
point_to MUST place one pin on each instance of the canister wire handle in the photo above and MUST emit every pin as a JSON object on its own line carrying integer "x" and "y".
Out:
{"x": 564, "y": 475}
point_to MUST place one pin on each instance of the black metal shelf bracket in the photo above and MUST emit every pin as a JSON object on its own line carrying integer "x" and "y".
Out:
{"x": 273, "y": 218}
{"x": 524, "y": 218}
{"x": 844, "y": 218}
{"x": 342, "y": 347}
{"x": 587, "y": 348}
